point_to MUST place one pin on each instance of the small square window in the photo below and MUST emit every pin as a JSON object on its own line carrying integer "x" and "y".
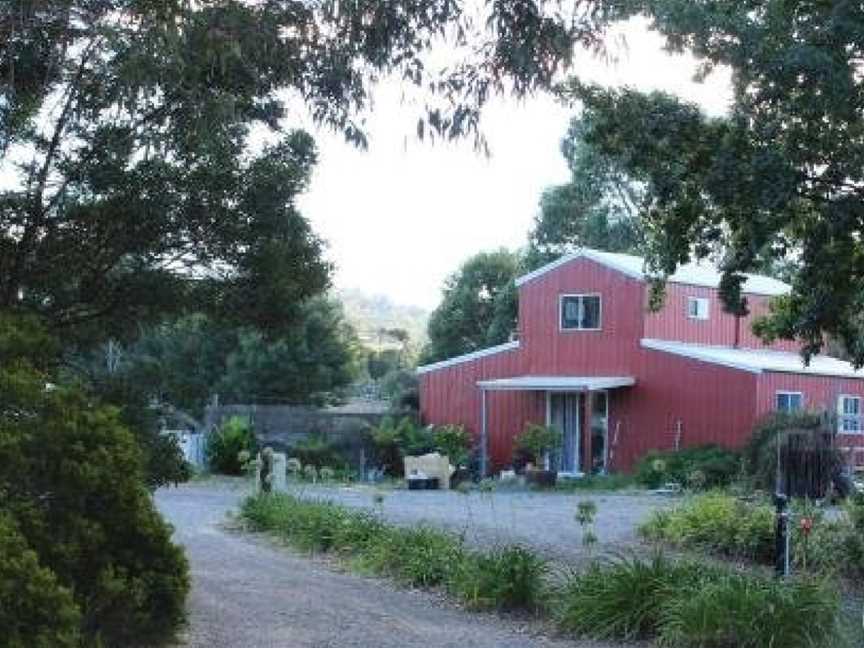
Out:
{"x": 580, "y": 312}
{"x": 697, "y": 308}
{"x": 849, "y": 415}
{"x": 789, "y": 401}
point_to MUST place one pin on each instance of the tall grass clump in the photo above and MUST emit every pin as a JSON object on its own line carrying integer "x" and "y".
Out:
{"x": 718, "y": 523}
{"x": 689, "y": 605}
{"x": 743, "y": 611}
{"x": 506, "y": 578}
{"x": 420, "y": 557}
{"x": 622, "y": 598}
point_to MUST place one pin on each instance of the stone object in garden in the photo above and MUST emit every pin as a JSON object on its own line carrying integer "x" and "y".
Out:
{"x": 280, "y": 470}
{"x": 270, "y": 472}
{"x": 429, "y": 466}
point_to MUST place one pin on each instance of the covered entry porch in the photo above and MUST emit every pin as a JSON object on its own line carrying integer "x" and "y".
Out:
{"x": 576, "y": 405}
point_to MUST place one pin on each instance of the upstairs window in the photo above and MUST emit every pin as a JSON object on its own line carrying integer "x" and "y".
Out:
{"x": 697, "y": 308}
{"x": 849, "y": 415}
{"x": 580, "y": 312}
{"x": 789, "y": 401}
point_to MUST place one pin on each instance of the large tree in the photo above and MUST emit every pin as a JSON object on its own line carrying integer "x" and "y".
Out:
{"x": 184, "y": 362}
{"x": 477, "y": 309}
{"x": 598, "y": 207}
{"x": 125, "y": 128}
{"x": 780, "y": 179}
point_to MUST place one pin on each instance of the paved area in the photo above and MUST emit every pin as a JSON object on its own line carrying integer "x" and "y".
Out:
{"x": 545, "y": 521}
{"x": 249, "y": 593}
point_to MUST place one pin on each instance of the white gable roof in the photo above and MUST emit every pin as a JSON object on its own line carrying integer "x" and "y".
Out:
{"x": 758, "y": 360}
{"x": 468, "y": 357}
{"x": 699, "y": 273}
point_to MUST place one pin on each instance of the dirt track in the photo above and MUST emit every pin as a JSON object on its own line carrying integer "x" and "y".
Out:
{"x": 249, "y": 593}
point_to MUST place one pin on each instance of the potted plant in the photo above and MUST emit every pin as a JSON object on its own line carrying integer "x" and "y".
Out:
{"x": 536, "y": 442}
{"x": 454, "y": 442}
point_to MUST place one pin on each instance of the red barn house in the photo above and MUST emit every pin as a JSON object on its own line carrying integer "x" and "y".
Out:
{"x": 620, "y": 380}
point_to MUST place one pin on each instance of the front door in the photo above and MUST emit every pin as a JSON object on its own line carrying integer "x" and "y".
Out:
{"x": 564, "y": 414}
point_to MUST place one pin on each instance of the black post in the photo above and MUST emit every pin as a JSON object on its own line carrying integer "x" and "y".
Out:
{"x": 781, "y": 535}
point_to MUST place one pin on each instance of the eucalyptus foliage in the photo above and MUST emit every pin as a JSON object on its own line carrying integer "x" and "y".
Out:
{"x": 778, "y": 180}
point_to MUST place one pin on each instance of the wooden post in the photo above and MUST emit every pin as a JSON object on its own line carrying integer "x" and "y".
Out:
{"x": 587, "y": 460}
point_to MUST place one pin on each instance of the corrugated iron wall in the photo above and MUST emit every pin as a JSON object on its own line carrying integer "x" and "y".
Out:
{"x": 675, "y": 400}
{"x": 671, "y": 321}
{"x": 680, "y": 401}
{"x": 451, "y": 395}
{"x": 610, "y": 351}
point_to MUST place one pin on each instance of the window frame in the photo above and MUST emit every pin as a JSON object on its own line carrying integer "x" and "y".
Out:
{"x": 698, "y": 300}
{"x": 843, "y": 418}
{"x": 782, "y": 392}
{"x": 564, "y": 296}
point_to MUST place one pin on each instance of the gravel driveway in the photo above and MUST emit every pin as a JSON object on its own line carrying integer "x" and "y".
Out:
{"x": 249, "y": 593}
{"x": 543, "y": 520}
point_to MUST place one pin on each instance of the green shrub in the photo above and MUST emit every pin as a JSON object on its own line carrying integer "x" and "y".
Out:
{"x": 454, "y": 441}
{"x": 718, "y": 523}
{"x": 623, "y": 598}
{"x": 708, "y": 466}
{"x": 317, "y": 451}
{"x": 834, "y": 546}
{"x": 392, "y": 440}
{"x": 71, "y": 478}
{"x": 506, "y": 578}
{"x": 35, "y": 610}
{"x": 740, "y": 610}
{"x": 536, "y": 440}
{"x": 225, "y": 445}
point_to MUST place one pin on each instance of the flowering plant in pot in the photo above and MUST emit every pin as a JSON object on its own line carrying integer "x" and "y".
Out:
{"x": 536, "y": 442}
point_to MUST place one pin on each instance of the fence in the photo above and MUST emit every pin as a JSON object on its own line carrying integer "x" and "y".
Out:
{"x": 282, "y": 427}
{"x": 192, "y": 444}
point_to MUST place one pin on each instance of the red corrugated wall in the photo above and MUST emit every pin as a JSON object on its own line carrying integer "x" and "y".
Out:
{"x": 819, "y": 393}
{"x": 451, "y": 395}
{"x": 714, "y": 404}
{"x": 671, "y": 321}
{"x": 611, "y": 351}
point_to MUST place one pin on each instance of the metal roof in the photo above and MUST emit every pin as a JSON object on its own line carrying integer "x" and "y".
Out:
{"x": 758, "y": 360}
{"x": 700, "y": 273}
{"x": 507, "y": 346}
{"x": 556, "y": 383}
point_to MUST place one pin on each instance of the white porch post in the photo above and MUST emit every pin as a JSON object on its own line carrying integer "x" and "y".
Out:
{"x": 484, "y": 460}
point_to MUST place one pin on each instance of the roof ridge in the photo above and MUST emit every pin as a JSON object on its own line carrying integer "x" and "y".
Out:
{"x": 760, "y": 284}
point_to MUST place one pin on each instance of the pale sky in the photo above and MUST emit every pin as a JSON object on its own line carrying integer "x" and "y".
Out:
{"x": 404, "y": 214}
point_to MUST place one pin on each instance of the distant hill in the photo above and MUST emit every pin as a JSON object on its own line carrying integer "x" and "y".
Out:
{"x": 369, "y": 313}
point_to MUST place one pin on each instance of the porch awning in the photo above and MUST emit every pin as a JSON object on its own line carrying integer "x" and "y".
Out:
{"x": 556, "y": 383}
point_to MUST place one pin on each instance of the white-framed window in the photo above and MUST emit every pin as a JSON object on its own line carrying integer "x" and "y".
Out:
{"x": 849, "y": 415}
{"x": 697, "y": 308}
{"x": 580, "y": 312}
{"x": 787, "y": 401}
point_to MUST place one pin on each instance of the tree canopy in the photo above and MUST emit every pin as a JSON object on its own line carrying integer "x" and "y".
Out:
{"x": 777, "y": 180}
{"x": 598, "y": 207}
{"x": 185, "y": 361}
{"x": 477, "y": 308}
{"x": 127, "y": 124}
